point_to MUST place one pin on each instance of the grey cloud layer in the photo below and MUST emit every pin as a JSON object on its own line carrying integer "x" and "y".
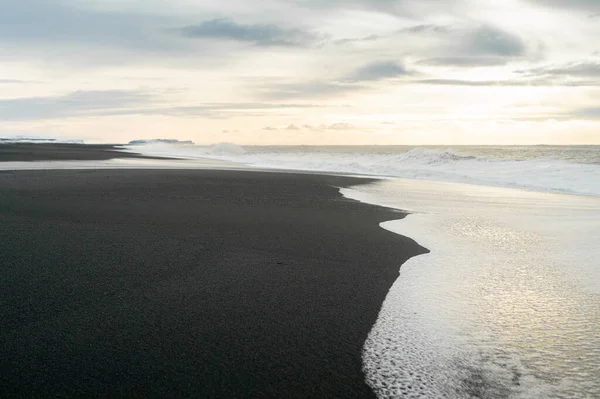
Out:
{"x": 465, "y": 46}
{"x": 354, "y": 81}
{"x": 59, "y": 22}
{"x": 313, "y": 89}
{"x": 361, "y": 79}
{"x": 69, "y": 29}
{"x": 488, "y": 40}
{"x": 586, "y": 69}
{"x": 377, "y": 71}
{"x": 490, "y": 83}
{"x": 357, "y": 80}
{"x": 11, "y": 81}
{"x": 53, "y": 29}
{"x": 463, "y": 61}
{"x": 582, "y": 5}
{"x": 592, "y": 113}
{"x": 484, "y": 45}
{"x": 414, "y": 29}
{"x": 116, "y": 102}
{"x": 406, "y": 8}
{"x": 74, "y": 104}
{"x": 262, "y": 35}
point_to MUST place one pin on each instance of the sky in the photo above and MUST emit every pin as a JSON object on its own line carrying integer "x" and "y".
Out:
{"x": 302, "y": 71}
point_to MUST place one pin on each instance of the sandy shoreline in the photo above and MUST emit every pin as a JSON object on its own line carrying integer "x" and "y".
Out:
{"x": 189, "y": 283}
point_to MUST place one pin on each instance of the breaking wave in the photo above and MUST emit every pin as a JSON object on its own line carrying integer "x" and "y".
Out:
{"x": 542, "y": 174}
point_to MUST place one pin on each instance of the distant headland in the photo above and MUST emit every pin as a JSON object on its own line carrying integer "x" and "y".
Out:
{"x": 161, "y": 141}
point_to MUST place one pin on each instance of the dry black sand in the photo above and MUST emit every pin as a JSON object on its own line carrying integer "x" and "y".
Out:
{"x": 189, "y": 283}
{"x": 61, "y": 152}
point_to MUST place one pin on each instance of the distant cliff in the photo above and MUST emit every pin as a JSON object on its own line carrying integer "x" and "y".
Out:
{"x": 162, "y": 141}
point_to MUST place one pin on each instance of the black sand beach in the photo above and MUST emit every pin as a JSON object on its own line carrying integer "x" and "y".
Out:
{"x": 16, "y": 152}
{"x": 189, "y": 283}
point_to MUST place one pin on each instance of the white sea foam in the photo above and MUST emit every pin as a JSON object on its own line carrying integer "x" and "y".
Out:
{"x": 506, "y": 304}
{"x": 37, "y": 139}
{"x": 545, "y": 174}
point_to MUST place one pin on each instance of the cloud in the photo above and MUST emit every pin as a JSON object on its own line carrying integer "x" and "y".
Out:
{"x": 489, "y": 40}
{"x": 340, "y": 126}
{"x": 334, "y": 126}
{"x": 472, "y": 46}
{"x": 541, "y": 82}
{"x": 260, "y": 35}
{"x": 457, "y": 46}
{"x": 584, "y": 69}
{"x": 79, "y": 103}
{"x": 215, "y": 110}
{"x": 591, "y": 113}
{"x": 11, "y": 81}
{"x": 581, "y": 5}
{"x": 405, "y": 8}
{"x": 426, "y": 28}
{"x": 74, "y": 34}
{"x": 476, "y": 83}
{"x": 369, "y": 38}
{"x": 479, "y": 46}
{"x": 422, "y": 29}
{"x": 85, "y": 34}
{"x": 310, "y": 89}
{"x": 352, "y": 82}
{"x": 286, "y": 127}
{"x": 377, "y": 71}
{"x": 464, "y": 61}
{"x": 115, "y": 102}
{"x": 62, "y": 21}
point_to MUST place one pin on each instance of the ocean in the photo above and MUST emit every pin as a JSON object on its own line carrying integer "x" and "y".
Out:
{"x": 562, "y": 169}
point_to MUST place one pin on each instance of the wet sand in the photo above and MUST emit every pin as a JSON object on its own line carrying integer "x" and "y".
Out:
{"x": 189, "y": 283}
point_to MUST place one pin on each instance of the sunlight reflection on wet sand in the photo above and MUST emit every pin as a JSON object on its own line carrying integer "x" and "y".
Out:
{"x": 506, "y": 304}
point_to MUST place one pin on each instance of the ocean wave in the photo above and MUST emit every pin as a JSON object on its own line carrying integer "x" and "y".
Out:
{"x": 35, "y": 139}
{"x": 547, "y": 175}
{"x": 225, "y": 148}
